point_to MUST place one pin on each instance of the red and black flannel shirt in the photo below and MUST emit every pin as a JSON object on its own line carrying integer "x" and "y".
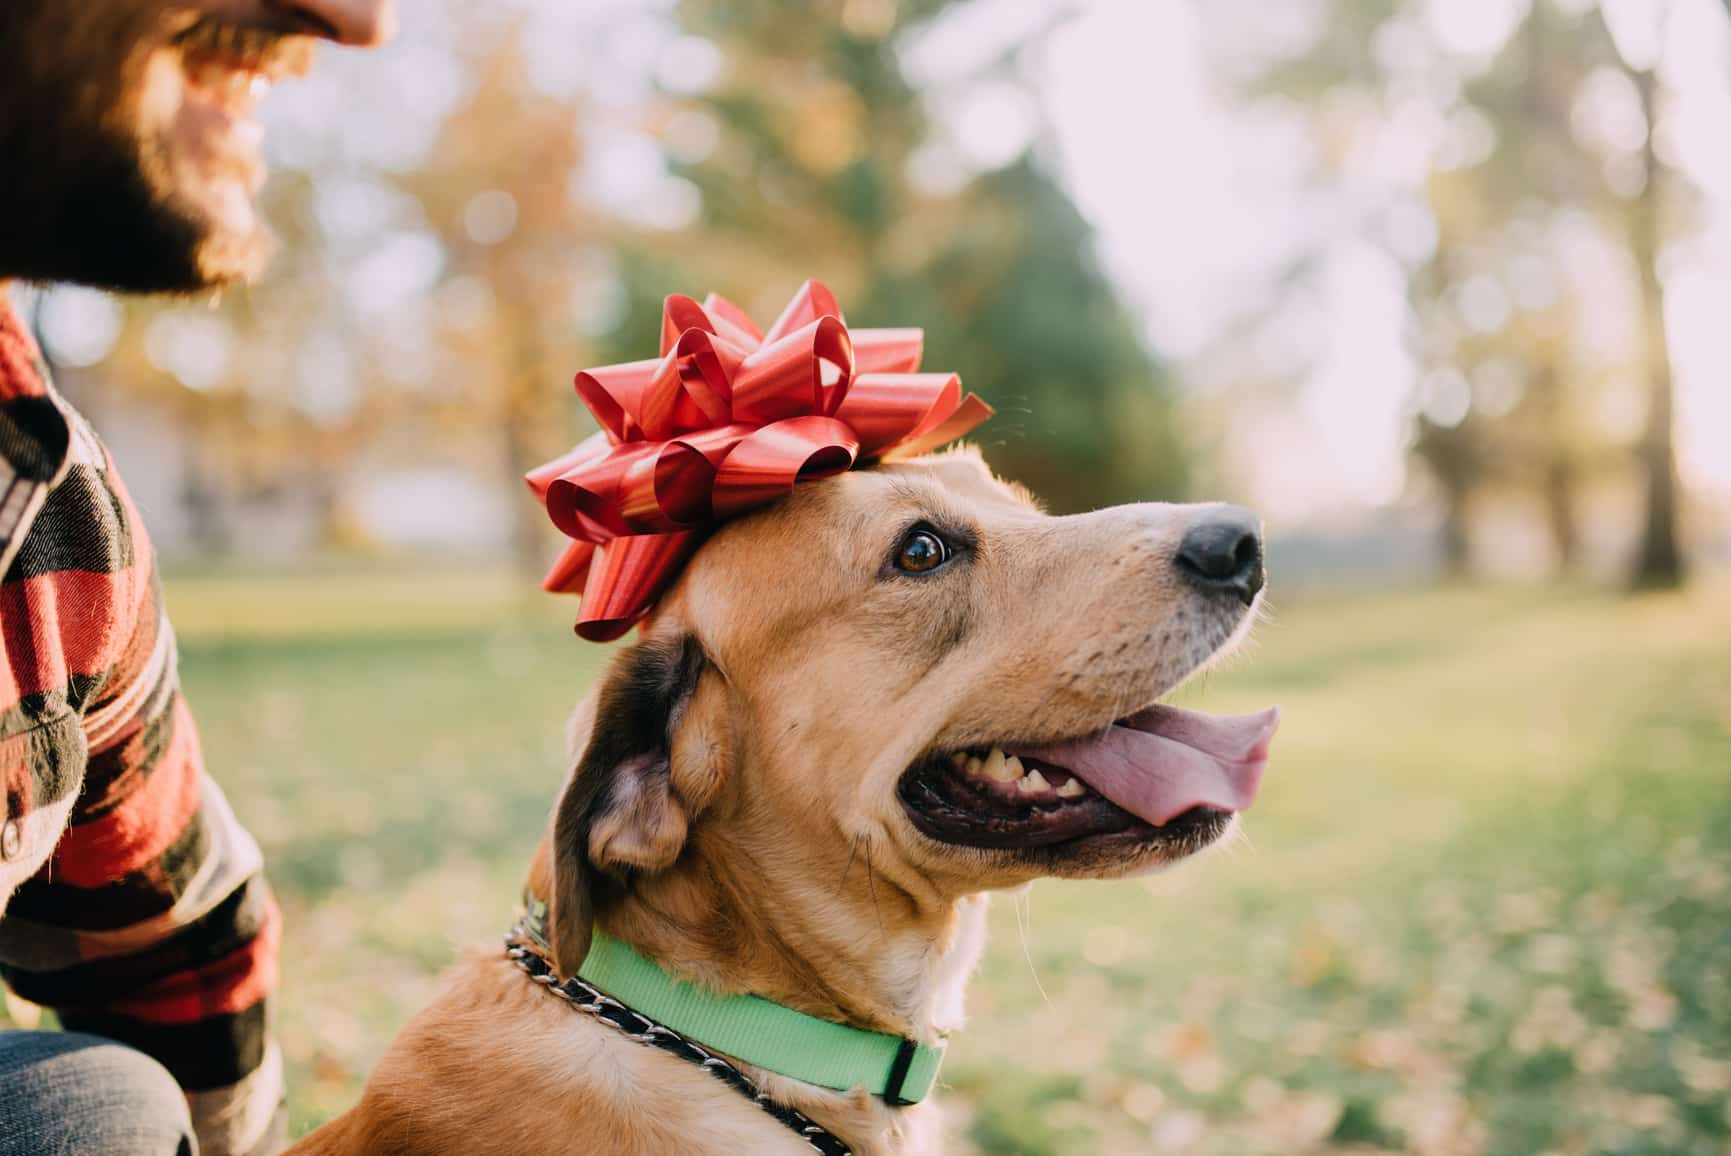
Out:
{"x": 131, "y": 900}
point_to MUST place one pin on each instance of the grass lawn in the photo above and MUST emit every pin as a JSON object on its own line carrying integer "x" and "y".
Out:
{"x": 1484, "y": 905}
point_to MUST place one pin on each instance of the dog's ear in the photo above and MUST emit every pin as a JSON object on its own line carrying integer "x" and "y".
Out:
{"x": 619, "y": 811}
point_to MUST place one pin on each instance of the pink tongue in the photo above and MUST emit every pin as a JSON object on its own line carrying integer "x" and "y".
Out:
{"x": 1164, "y": 761}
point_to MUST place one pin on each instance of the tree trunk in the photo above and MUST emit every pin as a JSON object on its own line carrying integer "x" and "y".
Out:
{"x": 203, "y": 490}
{"x": 1453, "y": 456}
{"x": 1558, "y": 476}
{"x": 1456, "y": 532}
{"x": 1560, "y": 512}
{"x": 1541, "y": 107}
{"x": 1660, "y": 561}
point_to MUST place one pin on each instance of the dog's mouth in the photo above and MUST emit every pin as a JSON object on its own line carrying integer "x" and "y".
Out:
{"x": 1161, "y": 774}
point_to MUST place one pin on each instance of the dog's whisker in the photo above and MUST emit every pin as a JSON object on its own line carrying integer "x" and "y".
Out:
{"x": 872, "y": 884}
{"x": 852, "y": 854}
{"x": 1022, "y": 906}
{"x": 1242, "y": 838}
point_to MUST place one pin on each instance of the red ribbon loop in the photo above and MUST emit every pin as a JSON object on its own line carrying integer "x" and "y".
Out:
{"x": 725, "y": 420}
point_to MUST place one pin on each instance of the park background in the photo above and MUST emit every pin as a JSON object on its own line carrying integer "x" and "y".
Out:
{"x": 1441, "y": 287}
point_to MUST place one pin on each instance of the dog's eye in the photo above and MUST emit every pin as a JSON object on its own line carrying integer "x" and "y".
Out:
{"x": 921, "y": 551}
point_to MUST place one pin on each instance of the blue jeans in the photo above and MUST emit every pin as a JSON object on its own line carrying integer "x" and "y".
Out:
{"x": 62, "y": 1093}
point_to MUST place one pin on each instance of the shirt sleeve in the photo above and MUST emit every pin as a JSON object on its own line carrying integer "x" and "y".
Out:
{"x": 151, "y": 922}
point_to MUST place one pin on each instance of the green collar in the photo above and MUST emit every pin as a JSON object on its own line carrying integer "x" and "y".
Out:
{"x": 755, "y": 1031}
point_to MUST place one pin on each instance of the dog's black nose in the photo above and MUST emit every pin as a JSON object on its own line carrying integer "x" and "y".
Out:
{"x": 1224, "y": 552}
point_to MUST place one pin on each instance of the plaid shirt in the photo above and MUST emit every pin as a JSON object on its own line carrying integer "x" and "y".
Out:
{"x": 131, "y": 900}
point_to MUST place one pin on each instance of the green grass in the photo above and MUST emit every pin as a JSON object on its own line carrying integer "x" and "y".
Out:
{"x": 1484, "y": 904}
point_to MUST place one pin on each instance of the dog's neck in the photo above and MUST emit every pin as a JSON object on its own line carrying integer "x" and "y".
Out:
{"x": 822, "y": 928}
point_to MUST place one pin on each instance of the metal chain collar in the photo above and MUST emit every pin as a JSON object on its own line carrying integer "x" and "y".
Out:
{"x": 587, "y": 998}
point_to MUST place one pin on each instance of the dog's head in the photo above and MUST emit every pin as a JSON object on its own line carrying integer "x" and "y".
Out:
{"x": 915, "y": 659}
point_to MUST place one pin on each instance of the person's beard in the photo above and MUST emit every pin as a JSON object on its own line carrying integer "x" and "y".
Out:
{"x": 91, "y": 192}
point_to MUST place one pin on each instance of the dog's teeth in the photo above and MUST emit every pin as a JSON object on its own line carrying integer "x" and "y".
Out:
{"x": 1013, "y": 765}
{"x": 959, "y": 760}
{"x": 1034, "y": 784}
{"x": 1072, "y": 789}
{"x": 975, "y": 767}
{"x": 997, "y": 768}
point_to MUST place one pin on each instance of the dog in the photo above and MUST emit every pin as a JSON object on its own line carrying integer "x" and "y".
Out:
{"x": 856, "y": 713}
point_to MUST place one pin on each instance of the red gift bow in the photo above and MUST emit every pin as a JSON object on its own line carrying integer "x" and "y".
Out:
{"x": 724, "y": 420}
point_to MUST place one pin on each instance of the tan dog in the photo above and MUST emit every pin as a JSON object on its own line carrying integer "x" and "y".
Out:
{"x": 857, "y": 711}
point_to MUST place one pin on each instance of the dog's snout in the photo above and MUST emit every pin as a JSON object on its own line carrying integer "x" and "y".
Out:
{"x": 1224, "y": 552}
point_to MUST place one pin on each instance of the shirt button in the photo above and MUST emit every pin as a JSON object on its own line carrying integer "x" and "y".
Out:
{"x": 11, "y": 839}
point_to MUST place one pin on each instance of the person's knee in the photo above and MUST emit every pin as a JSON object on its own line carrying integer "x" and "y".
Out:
{"x": 65, "y": 1092}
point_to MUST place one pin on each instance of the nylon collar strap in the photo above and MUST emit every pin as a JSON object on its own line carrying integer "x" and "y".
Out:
{"x": 754, "y": 1030}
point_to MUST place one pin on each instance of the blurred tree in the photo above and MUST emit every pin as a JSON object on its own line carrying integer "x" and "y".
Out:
{"x": 1513, "y": 177}
{"x": 1659, "y": 562}
{"x": 419, "y": 314}
{"x": 1014, "y": 296}
{"x": 497, "y": 188}
{"x": 211, "y": 380}
{"x": 1535, "y": 171}
{"x": 817, "y": 129}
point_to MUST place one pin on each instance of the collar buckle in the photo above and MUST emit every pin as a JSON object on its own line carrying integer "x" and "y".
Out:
{"x": 899, "y": 1073}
